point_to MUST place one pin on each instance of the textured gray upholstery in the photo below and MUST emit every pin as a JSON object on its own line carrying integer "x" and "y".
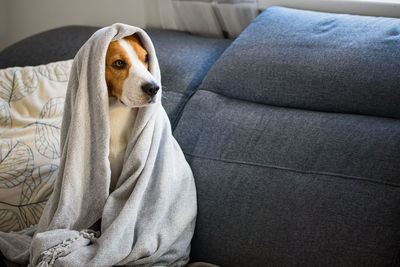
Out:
{"x": 184, "y": 61}
{"x": 49, "y": 46}
{"x": 288, "y": 187}
{"x": 314, "y": 60}
{"x": 281, "y": 181}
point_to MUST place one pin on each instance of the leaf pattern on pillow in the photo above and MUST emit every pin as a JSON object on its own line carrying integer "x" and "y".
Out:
{"x": 5, "y": 115}
{"x": 9, "y": 219}
{"x": 16, "y": 163}
{"x": 35, "y": 192}
{"x": 18, "y": 84}
{"x": 48, "y": 128}
{"x": 31, "y": 109}
{"x": 58, "y": 73}
{"x": 39, "y": 185}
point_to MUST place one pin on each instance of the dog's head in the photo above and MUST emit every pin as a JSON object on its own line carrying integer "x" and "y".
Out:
{"x": 127, "y": 73}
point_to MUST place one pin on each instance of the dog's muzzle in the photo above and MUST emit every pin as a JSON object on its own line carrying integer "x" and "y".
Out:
{"x": 150, "y": 89}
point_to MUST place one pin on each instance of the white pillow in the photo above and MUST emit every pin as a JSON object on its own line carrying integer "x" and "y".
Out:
{"x": 31, "y": 109}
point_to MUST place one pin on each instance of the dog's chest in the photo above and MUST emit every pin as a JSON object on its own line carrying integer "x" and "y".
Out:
{"x": 122, "y": 120}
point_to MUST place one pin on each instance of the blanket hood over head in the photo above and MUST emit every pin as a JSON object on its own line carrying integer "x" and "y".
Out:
{"x": 149, "y": 218}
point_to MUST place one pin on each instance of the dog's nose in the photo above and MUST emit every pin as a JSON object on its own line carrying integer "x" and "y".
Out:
{"x": 150, "y": 88}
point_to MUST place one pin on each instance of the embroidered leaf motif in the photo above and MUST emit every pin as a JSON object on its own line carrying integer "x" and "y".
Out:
{"x": 31, "y": 213}
{"x": 18, "y": 84}
{"x": 9, "y": 219}
{"x": 40, "y": 185}
{"x": 5, "y": 116}
{"x": 16, "y": 163}
{"x": 35, "y": 191}
{"x": 48, "y": 128}
{"x": 58, "y": 73}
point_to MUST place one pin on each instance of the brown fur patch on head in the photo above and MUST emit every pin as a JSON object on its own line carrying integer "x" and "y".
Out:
{"x": 115, "y": 77}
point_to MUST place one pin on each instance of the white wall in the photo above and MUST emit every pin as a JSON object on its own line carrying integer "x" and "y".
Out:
{"x": 22, "y": 18}
{"x": 3, "y": 23}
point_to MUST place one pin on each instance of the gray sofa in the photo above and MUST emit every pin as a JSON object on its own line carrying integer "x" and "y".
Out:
{"x": 292, "y": 132}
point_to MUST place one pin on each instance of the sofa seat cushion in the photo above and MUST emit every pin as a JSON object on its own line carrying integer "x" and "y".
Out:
{"x": 285, "y": 187}
{"x": 314, "y": 60}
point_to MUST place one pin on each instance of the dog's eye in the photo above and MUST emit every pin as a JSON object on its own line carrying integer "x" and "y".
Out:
{"x": 119, "y": 64}
{"x": 146, "y": 59}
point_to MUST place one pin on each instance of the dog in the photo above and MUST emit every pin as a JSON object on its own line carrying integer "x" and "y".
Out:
{"x": 130, "y": 85}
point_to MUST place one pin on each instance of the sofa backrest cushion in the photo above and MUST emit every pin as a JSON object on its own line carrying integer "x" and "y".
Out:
{"x": 49, "y": 46}
{"x": 184, "y": 59}
{"x": 284, "y": 186}
{"x": 314, "y": 60}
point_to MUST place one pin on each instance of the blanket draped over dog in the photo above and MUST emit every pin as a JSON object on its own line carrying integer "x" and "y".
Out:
{"x": 149, "y": 219}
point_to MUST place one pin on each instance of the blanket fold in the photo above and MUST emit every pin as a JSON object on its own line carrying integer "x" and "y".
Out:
{"x": 149, "y": 219}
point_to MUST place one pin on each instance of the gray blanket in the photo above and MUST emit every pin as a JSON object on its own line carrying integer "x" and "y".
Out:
{"x": 149, "y": 219}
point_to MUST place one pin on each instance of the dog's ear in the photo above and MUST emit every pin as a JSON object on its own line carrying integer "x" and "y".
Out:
{"x": 137, "y": 37}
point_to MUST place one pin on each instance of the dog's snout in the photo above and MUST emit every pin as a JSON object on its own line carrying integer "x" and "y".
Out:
{"x": 150, "y": 88}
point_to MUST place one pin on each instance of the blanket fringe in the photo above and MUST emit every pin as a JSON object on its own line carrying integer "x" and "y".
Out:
{"x": 49, "y": 256}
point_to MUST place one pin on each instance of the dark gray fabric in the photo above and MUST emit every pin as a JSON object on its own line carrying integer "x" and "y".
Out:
{"x": 289, "y": 187}
{"x": 184, "y": 58}
{"x": 314, "y": 60}
{"x": 173, "y": 103}
{"x": 353, "y": 146}
{"x": 184, "y": 61}
{"x": 49, "y": 46}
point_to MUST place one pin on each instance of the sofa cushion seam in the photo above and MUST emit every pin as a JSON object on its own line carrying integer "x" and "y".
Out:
{"x": 343, "y": 176}
{"x": 201, "y": 88}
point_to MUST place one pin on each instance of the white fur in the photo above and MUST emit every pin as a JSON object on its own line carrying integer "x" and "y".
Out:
{"x": 122, "y": 120}
{"x": 132, "y": 94}
{"x": 122, "y": 116}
